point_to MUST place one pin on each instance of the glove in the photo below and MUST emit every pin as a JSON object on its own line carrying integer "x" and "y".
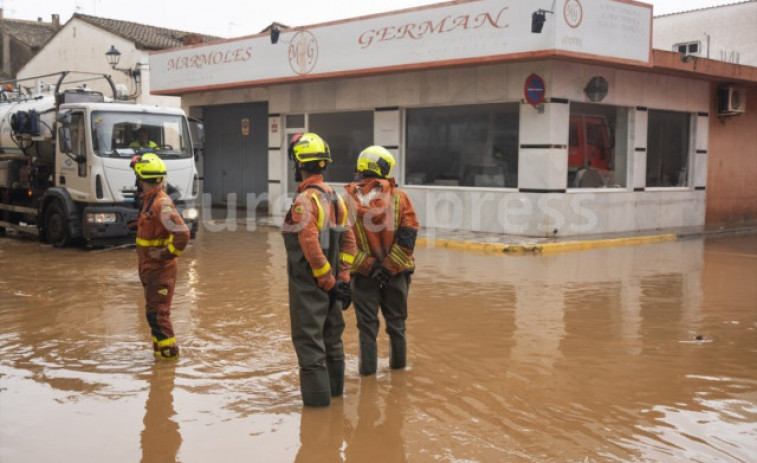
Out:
{"x": 326, "y": 281}
{"x": 342, "y": 292}
{"x": 381, "y": 275}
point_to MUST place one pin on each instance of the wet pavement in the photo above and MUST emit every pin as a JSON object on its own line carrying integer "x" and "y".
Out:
{"x": 582, "y": 357}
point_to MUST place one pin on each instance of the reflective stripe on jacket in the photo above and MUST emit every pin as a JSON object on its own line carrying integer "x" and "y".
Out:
{"x": 160, "y": 226}
{"x": 385, "y": 226}
{"x": 310, "y": 212}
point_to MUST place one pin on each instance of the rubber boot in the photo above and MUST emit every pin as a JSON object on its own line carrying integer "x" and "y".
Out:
{"x": 336, "y": 377}
{"x": 397, "y": 356}
{"x": 368, "y": 358}
{"x": 165, "y": 349}
{"x": 315, "y": 389}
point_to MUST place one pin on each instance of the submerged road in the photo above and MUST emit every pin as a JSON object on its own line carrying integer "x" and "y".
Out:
{"x": 581, "y": 357}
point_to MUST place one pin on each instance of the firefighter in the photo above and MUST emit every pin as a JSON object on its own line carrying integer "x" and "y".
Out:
{"x": 143, "y": 141}
{"x": 161, "y": 237}
{"x": 320, "y": 248}
{"x": 385, "y": 227}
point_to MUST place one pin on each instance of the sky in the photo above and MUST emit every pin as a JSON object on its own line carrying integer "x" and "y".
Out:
{"x": 235, "y": 18}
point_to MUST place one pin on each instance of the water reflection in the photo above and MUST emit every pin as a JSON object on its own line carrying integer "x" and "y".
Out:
{"x": 160, "y": 437}
{"x": 380, "y": 412}
{"x": 322, "y": 434}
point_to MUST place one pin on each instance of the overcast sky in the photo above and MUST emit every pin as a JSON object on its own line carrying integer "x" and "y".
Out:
{"x": 234, "y": 18}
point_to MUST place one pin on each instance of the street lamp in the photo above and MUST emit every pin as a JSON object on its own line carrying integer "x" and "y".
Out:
{"x": 114, "y": 56}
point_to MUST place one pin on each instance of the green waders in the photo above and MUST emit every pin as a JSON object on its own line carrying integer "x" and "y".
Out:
{"x": 317, "y": 323}
{"x": 368, "y": 297}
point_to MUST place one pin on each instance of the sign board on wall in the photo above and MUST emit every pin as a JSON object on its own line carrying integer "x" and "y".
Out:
{"x": 441, "y": 35}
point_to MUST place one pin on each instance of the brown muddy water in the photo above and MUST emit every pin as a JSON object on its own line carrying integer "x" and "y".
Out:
{"x": 582, "y": 357}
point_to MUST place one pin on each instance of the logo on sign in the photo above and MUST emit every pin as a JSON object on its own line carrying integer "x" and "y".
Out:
{"x": 573, "y": 13}
{"x": 303, "y": 52}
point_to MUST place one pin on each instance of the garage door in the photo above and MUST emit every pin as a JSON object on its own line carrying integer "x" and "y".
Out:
{"x": 236, "y": 151}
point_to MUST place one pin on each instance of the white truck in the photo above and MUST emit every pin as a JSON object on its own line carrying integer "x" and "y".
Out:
{"x": 64, "y": 161}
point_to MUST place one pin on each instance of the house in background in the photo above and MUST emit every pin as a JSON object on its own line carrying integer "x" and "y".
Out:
{"x": 81, "y": 44}
{"x": 20, "y": 40}
{"x": 722, "y": 33}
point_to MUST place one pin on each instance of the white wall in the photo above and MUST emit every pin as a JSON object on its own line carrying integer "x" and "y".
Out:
{"x": 730, "y": 29}
{"x": 79, "y": 46}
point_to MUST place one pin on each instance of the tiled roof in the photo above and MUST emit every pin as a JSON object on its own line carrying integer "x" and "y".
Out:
{"x": 144, "y": 36}
{"x": 32, "y": 33}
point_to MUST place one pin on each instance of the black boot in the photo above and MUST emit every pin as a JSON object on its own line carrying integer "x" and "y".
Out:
{"x": 397, "y": 358}
{"x": 368, "y": 358}
{"x": 336, "y": 377}
{"x": 315, "y": 389}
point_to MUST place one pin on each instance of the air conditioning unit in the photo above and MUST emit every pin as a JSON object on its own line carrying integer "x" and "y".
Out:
{"x": 731, "y": 101}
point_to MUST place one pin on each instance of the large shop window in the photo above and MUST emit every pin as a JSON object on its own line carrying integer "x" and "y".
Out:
{"x": 472, "y": 145}
{"x": 667, "y": 148}
{"x": 347, "y": 135}
{"x": 597, "y": 146}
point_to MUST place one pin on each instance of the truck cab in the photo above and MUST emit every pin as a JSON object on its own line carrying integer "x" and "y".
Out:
{"x": 92, "y": 166}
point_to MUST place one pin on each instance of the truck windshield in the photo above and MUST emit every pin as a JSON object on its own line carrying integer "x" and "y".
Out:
{"x": 124, "y": 134}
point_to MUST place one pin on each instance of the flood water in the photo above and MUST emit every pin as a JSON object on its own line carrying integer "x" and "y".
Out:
{"x": 581, "y": 357}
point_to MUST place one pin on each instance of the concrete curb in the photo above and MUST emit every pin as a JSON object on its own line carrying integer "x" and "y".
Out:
{"x": 543, "y": 248}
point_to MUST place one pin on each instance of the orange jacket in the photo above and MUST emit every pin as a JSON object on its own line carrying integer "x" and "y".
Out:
{"x": 307, "y": 218}
{"x": 159, "y": 227}
{"x": 384, "y": 224}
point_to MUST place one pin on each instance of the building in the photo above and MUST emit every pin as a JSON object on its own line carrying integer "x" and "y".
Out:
{"x": 74, "y": 47}
{"x": 21, "y": 39}
{"x": 503, "y": 118}
{"x": 723, "y": 33}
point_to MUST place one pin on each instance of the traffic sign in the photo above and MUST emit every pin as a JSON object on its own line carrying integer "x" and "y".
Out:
{"x": 534, "y": 89}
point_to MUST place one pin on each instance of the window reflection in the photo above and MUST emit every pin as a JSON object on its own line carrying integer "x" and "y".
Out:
{"x": 347, "y": 134}
{"x": 667, "y": 148}
{"x": 472, "y": 145}
{"x": 597, "y": 146}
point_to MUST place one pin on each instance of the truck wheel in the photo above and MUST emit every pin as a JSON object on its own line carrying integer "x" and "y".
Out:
{"x": 56, "y": 227}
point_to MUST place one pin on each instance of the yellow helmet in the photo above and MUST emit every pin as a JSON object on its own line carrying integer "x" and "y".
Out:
{"x": 309, "y": 147}
{"x": 149, "y": 167}
{"x": 375, "y": 160}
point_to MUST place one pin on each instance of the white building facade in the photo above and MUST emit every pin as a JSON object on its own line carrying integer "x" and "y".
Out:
{"x": 495, "y": 128}
{"x": 723, "y": 33}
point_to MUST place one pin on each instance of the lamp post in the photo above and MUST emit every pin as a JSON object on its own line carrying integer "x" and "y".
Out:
{"x": 114, "y": 56}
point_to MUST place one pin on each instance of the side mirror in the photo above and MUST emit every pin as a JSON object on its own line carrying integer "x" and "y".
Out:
{"x": 64, "y": 140}
{"x": 201, "y": 133}
{"x": 197, "y": 129}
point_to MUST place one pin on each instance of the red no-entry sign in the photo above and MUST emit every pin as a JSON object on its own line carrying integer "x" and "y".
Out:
{"x": 534, "y": 89}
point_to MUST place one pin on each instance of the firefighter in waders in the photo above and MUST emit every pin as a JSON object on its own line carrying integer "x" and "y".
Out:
{"x": 320, "y": 249}
{"x": 161, "y": 236}
{"x": 385, "y": 227}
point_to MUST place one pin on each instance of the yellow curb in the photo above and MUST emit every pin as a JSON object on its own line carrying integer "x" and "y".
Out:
{"x": 543, "y": 248}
